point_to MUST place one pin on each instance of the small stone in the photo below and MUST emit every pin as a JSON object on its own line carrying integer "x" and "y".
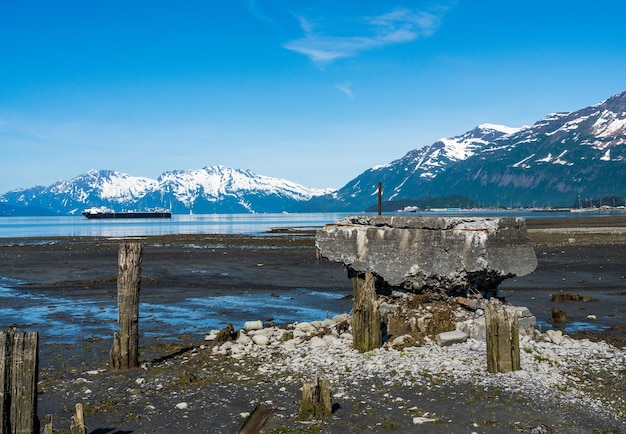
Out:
{"x": 261, "y": 340}
{"x": 449, "y": 338}
{"x": 252, "y": 325}
{"x": 182, "y": 406}
{"x": 556, "y": 336}
{"x": 592, "y": 317}
{"x": 317, "y": 342}
{"x": 418, "y": 420}
{"x": 211, "y": 336}
{"x": 243, "y": 339}
{"x": 306, "y": 327}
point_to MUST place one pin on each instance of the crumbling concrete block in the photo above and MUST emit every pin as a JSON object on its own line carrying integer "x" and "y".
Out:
{"x": 436, "y": 254}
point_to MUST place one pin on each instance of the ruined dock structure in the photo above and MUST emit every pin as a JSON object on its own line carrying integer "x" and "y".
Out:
{"x": 400, "y": 263}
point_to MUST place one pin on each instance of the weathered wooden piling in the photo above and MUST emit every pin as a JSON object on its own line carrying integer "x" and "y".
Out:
{"x": 366, "y": 331}
{"x": 78, "y": 421}
{"x": 19, "y": 366}
{"x": 316, "y": 400}
{"x": 125, "y": 351}
{"x": 503, "y": 352}
{"x": 256, "y": 420}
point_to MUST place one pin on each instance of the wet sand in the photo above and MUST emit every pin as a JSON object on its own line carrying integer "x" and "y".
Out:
{"x": 572, "y": 258}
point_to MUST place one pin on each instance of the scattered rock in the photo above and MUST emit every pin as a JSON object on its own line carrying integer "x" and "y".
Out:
{"x": 450, "y": 338}
{"x": 261, "y": 340}
{"x": 558, "y": 316}
{"x": 252, "y": 325}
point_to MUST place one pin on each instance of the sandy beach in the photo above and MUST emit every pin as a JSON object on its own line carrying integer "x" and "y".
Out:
{"x": 578, "y": 256}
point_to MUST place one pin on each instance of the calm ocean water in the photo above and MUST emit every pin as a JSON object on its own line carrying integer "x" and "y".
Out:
{"x": 18, "y": 227}
{"x": 15, "y": 227}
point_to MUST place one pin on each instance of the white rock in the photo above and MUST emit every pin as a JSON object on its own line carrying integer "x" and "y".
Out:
{"x": 399, "y": 341}
{"x": 418, "y": 420}
{"x": 261, "y": 340}
{"x": 340, "y": 318}
{"x": 556, "y": 336}
{"x": 211, "y": 336}
{"x": 592, "y": 317}
{"x": 226, "y": 346}
{"x": 317, "y": 342}
{"x": 449, "y": 338}
{"x": 182, "y": 406}
{"x": 243, "y": 339}
{"x": 306, "y": 327}
{"x": 252, "y": 325}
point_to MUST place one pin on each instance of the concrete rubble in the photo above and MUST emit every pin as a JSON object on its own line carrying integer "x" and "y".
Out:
{"x": 448, "y": 255}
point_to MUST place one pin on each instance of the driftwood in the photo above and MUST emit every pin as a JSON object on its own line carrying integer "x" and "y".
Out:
{"x": 503, "y": 352}
{"x": 256, "y": 420}
{"x": 19, "y": 365}
{"x": 125, "y": 351}
{"x": 366, "y": 330}
{"x": 316, "y": 400}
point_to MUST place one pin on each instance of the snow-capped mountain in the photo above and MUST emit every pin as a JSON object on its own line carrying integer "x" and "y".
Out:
{"x": 214, "y": 189}
{"x": 420, "y": 166}
{"x": 560, "y": 159}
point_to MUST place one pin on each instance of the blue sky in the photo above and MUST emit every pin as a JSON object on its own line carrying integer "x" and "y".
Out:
{"x": 311, "y": 91}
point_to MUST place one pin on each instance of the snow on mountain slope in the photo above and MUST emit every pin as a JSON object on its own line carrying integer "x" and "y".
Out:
{"x": 229, "y": 190}
{"x": 218, "y": 181}
{"x": 107, "y": 185}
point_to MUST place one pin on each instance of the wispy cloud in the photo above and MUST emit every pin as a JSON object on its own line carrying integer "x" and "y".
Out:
{"x": 255, "y": 10}
{"x": 396, "y": 27}
{"x": 346, "y": 88}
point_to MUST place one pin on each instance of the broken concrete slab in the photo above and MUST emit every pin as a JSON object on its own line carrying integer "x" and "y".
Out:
{"x": 436, "y": 254}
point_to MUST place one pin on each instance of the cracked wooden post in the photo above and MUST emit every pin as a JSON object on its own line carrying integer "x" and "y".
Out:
{"x": 503, "y": 352}
{"x": 125, "y": 351}
{"x": 316, "y": 400}
{"x": 19, "y": 365}
{"x": 256, "y": 420}
{"x": 366, "y": 333}
{"x": 78, "y": 421}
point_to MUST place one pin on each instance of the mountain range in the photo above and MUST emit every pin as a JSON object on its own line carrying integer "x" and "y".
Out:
{"x": 561, "y": 160}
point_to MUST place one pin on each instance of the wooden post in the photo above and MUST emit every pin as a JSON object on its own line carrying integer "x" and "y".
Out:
{"x": 503, "y": 352}
{"x": 78, "y": 421}
{"x": 366, "y": 334}
{"x": 125, "y": 351}
{"x": 256, "y": 420}
{"x": 316, "y": 400}
{"x": 47, "y": 428}
{"x": 19, "y": 366}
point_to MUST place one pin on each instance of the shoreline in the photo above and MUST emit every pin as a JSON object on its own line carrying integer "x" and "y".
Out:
{"x": 271, "y": 266}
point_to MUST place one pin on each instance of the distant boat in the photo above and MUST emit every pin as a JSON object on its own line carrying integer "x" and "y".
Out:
{"x": 106, "y": 213}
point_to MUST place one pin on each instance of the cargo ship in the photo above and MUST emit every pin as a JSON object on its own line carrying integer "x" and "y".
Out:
{"x": 106, "y": 213}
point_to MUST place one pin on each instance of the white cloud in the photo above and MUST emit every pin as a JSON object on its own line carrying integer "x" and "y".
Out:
{"x": 346, "y": 88}
{"x": 396, "y": 27}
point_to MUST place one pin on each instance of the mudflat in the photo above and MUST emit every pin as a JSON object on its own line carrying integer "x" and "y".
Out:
{"x": 584, "y": 256}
